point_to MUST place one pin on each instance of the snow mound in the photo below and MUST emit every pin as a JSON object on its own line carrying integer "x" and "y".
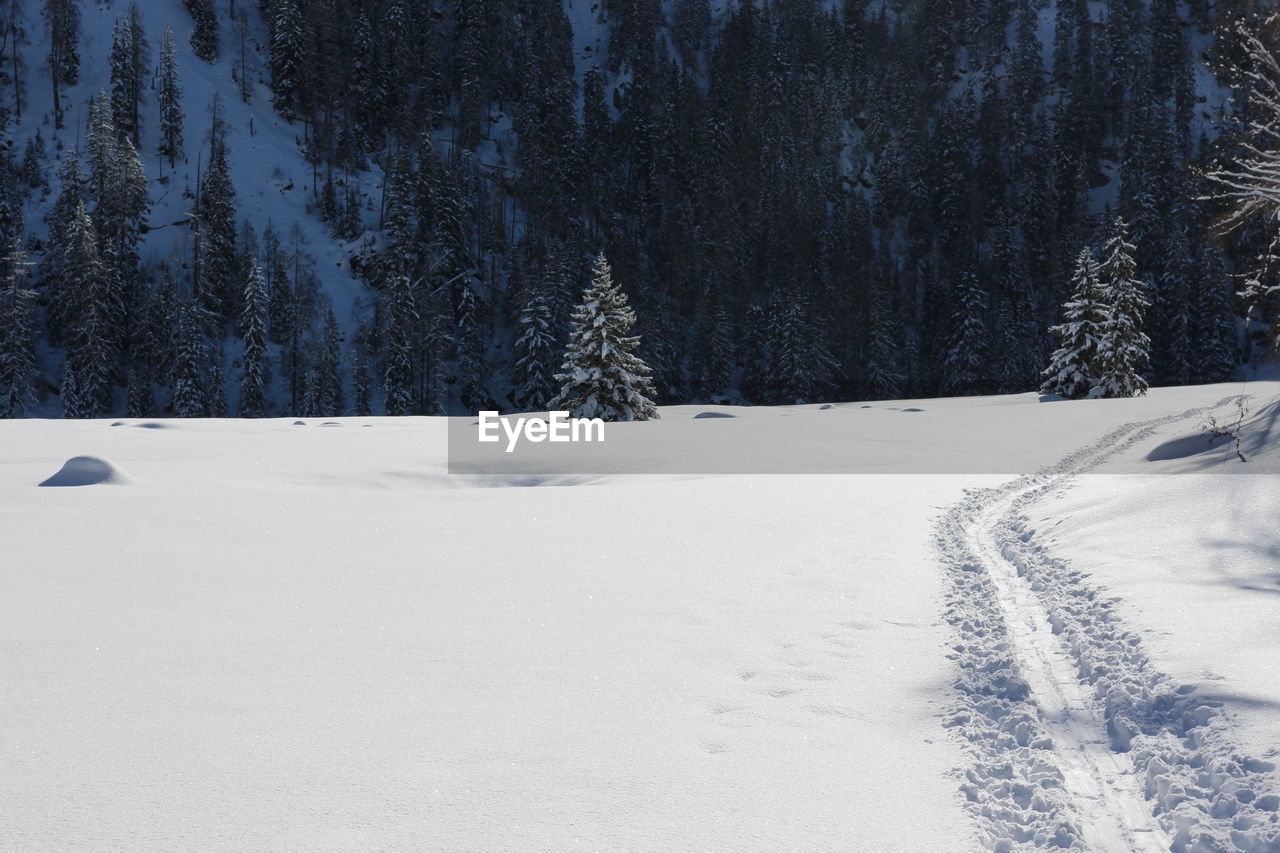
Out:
{"x": 88, "y": 471}
{"x": 1259, "y": 433}
{"x": 702, "y": 415}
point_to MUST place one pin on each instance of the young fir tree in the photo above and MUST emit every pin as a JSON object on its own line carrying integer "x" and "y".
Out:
{"x": 171, "y": 116}
{"x": 17, "y": 337}
{"x": 204, "y": 36}
{"x": 535, "y": 347}
{"x": 601, "y": 377}
{"x": 963, "y": 366}
{"x": 1073, "y": 367}
{"x": 253, "y": 327}
{"x": 1123, "y": 348}
{"x": 398, "y": 370}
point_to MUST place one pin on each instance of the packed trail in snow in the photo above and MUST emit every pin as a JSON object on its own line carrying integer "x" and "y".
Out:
{"x": 1076, "y": 740}
{"x": 1114, "y": 814}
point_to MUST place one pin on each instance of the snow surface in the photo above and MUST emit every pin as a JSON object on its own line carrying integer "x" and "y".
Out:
{"x": 1202, "y": 552}
{"x": 307, "y": 635}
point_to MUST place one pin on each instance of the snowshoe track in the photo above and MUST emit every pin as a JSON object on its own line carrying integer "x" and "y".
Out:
{"x": 1076, "y": 740}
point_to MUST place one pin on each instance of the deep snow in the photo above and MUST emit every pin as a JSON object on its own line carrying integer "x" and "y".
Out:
{"x": 309, "y": 636}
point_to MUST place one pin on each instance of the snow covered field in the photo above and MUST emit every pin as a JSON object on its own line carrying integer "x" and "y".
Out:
{"x": 269, "y": 635}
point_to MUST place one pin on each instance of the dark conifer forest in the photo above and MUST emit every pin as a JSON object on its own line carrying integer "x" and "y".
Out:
{"x": 802, "y": 200}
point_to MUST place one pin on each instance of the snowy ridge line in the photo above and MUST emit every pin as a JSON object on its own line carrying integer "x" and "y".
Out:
{"x": 1041, "y": 778}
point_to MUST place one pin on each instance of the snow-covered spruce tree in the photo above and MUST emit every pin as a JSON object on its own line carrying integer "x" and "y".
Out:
{"x": 601, "y": 377}
{"x": 17, "y": 337}
{"x": 72, "y": 407}
{"x": 753, "y": 353}
{"x": 1215, "y": 325}
{"x": 60, "y": 216}
{"x": 324, "y": 396}
{"x": 470, "y": 333}
{"x": 216, "y": 387}
{"x": 399, "y": 242}
{"x": 217, "y": 223}
{"x": 471, "y": 58}
{"x": 713, "y": 349}
{"x": 253, "y": 327}
{"x": 362, "y": 392}
{"x": 882, "y": 376}
{"x": 204, "y": 37}
{"x": 693, "y": 23}
{"x": 434, "y": 343}
{"x": 89, "y": 335}
{"x": 801, "y": 368}
{"x": 535, "y": 347}
{"x": 1123, "y": 348}
{"x": 171, "y": 115}
{"x": 62, "y": 18}
{"x": 33, "y": 160}
{"x": 963, "y": 368}
{"x": 398, "y": 369}
{"x": 143, "y": 351}
{"x": 100, "y": 147}
{"x": 140, "y": 56}
{"x": 121, "y": 215}
{"x": 190, "y": 399}
{"x": 286, "y": 54}
{"x": 125, "y": 90}
{"x": 1073, "y": 367}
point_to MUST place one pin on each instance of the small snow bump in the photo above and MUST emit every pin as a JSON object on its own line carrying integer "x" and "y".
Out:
{"x": 88, "y": 471}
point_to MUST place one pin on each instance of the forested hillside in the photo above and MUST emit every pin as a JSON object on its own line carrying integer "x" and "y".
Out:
{"x": 322, "y": 207}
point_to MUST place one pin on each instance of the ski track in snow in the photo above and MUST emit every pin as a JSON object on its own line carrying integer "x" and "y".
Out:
{"x": 1077, "y": 741}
